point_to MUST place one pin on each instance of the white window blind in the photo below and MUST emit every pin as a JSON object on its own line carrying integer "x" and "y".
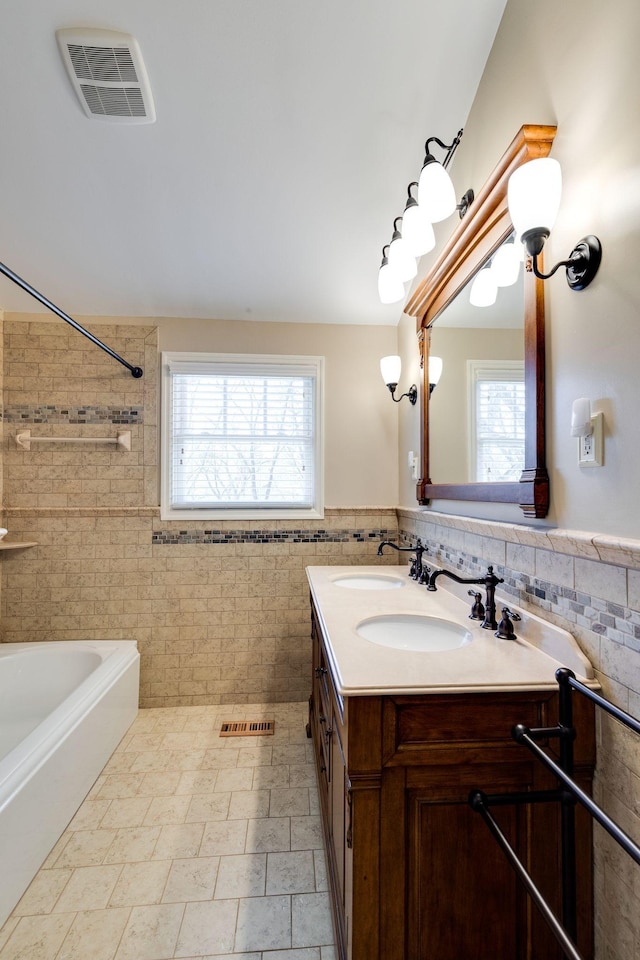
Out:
{"x": 497, "y": 396}
{"x": 243, "y": 435}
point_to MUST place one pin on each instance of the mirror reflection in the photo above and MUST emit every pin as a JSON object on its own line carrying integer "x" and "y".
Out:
{"x": 476, "y": 411}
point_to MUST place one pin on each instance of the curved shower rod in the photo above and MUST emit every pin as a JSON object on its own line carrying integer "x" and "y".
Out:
{"x": 136, "y": 372}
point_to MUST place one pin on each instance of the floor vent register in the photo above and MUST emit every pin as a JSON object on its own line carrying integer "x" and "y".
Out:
{"x": 246, "y": 728}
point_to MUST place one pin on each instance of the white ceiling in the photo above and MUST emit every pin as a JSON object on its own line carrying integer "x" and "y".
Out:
{"x": 286, "y": 135}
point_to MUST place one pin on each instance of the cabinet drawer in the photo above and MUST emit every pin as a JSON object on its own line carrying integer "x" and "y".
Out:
{"x": 445, "y": 724}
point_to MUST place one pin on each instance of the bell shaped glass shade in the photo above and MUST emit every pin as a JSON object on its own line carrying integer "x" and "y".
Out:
{"x": 417, "y": 231}
{"x": 435, "y": 370}
{"x": 484, "y": 289}
{"x": 400, "y": 260}
{"x": 390, "y": 286}
{"x": 436, "y": 195}
{"x": 391, "y": 368}
{"x": 505, "y": 265}
{"x": 534, "y": 195}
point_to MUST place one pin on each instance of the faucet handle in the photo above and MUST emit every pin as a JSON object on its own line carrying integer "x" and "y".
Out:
{"x": 505, "y": 629}
{"x": 477, "y": 609}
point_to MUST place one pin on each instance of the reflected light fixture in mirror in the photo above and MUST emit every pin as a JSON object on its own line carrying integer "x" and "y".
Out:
{"x": 484, "y": 288}
{"x": 506, "y": 264}
{"x": 391, "y": 368}
{"x": 533, "y": 197}
{"x": 435, "y": 372}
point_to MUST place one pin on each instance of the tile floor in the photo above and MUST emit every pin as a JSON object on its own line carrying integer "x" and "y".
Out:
{"x": 188, "y": 845}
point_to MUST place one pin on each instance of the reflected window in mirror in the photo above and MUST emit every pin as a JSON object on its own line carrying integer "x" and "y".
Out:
{"x": 496, "y": 418}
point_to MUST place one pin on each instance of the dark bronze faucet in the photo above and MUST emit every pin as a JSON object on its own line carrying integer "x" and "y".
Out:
{"x": 489, "y": 581}
{"x": 417, "y": 571}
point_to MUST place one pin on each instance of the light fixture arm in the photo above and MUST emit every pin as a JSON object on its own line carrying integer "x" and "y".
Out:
{"x": 412, "y": 393}
{"x": 449, "y": 147}
{"x": 581, "y": 266}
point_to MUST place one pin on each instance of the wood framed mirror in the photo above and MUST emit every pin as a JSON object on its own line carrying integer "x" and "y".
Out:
{"x": 473, "y": 243}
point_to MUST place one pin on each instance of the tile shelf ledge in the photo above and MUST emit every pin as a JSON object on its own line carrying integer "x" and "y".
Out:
{"x": 17, "y": 545}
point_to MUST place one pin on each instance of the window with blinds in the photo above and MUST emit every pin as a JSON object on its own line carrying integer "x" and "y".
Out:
{"x": 497, "y": 405}
{"x": 242, "y": 436}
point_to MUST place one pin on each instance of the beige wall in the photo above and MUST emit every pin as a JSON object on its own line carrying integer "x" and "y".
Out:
{"x": 573, "y": 64}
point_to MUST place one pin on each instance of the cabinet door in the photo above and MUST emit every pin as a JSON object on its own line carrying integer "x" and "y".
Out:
{"x": 464, "y": 900}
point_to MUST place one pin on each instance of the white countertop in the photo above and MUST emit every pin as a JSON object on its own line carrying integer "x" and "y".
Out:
{"x": 362, "y": 668}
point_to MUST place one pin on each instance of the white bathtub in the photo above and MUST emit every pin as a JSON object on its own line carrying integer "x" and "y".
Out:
{"x": 64, "y": 707}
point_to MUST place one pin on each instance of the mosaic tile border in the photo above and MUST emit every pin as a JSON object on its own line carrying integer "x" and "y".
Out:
{"x": 298, "y": 535}
{"x": 30, "y": 413}
{"x": 614, "y": 621}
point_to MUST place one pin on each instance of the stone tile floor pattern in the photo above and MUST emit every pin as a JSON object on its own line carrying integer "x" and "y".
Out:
{"x": 188, "y": 845}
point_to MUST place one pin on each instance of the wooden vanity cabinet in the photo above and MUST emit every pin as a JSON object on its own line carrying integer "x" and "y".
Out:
{"x": 414, "y": 873}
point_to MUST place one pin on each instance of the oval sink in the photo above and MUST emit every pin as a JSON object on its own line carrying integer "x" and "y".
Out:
{"x": 409, "y": 631}
{"x": 368, "y": 581}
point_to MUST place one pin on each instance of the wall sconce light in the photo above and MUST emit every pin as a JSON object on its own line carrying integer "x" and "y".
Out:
{"x": 435, "y": 372}
{"x": 390, "y": 286}
{"x": 417, "y": 230}
{"x": 401, "y": 261}
{"x": 390, "y": 368}
{"x": 436, "y": 201}
{"x": 436, "y": 193}
{"x": 533, "y": 197}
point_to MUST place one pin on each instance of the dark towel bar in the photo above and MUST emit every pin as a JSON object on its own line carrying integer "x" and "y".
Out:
{"x": 566, "y": 795}
{"x": 135, "y": 371}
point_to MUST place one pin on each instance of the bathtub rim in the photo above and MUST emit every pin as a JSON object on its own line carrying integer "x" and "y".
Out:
{"x": 23, "y": 760}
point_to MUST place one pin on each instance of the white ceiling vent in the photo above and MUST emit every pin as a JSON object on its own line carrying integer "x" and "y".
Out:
{"x": 108, "y": 74}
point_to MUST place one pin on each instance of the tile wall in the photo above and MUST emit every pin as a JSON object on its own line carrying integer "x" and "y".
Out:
{"x": 220, "y": 612}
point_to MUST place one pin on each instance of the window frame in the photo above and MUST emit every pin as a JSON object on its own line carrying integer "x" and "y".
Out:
{"x": 244, "y": 360}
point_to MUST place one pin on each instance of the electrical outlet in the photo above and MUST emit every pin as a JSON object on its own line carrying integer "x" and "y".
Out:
{"x": 590, "y": 448}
